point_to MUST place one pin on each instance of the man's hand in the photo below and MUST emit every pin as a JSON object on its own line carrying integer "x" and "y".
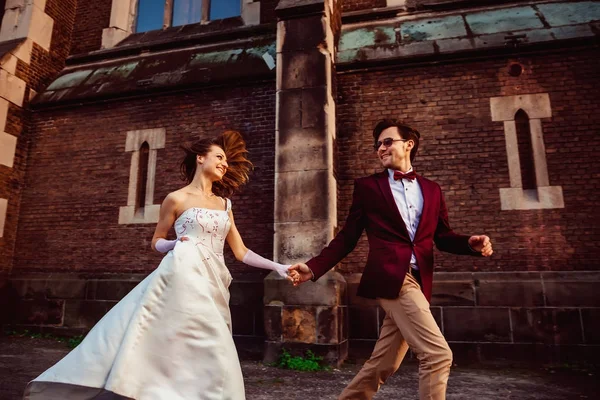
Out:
{"x": 482, "y": 244}
{"x": 303, "y": 273}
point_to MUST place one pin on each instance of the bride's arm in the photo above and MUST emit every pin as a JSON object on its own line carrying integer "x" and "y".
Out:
{"x": 247, "y": 256}
{"x": 166, "y": 219}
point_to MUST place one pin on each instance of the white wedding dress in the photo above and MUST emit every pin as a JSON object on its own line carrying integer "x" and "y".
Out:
{"x": 169, "y": 338}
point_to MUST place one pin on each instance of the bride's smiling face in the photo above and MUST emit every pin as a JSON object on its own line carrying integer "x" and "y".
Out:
{"x": 214, "y": 163}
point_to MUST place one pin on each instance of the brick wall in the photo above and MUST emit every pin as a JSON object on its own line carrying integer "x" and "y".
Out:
{"x": 77, "y": 178}
{"x": 464, "y": 151}
{"x": 44, "y": 65}
{"x": 541, "y": 312}
{"x": 267, "y": 11}
{"x": 79, "y": 172}
{"x": 91, "y": 18}
{"x": 42, "y": 68}
{"x": 11, "y": 182}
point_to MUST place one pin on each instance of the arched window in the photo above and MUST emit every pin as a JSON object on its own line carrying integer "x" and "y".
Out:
{"x": 2, "y": 7}
{"x": 530, "y": 187}
{"x": 142, "y": 178}
{"x": 143, "y": 146}
{"x": 525, "y": 150}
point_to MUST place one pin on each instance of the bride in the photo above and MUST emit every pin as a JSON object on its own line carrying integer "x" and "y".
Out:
{"x": 170, "y": 337}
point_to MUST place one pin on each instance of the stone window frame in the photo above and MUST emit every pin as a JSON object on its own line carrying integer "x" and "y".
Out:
{"x": 150, "y": 212}
{"x": 124, "y": 12}
{"x": 395, "y": 3}
{"x": 537, "y": 106}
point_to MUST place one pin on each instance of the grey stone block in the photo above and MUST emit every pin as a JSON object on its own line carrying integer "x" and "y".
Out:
{"x": 302, "y": 69}
{"x": 453, "y": 294}
{"x": 299, "y": 324}
{"x": 109, "y": 289}
{"x": 510, "y": 293}
{"x": 591, "y": 325}
{"x": 476, "y": 324}
{"x": 300, "y": 33}
{"x": 85, "y": 313}
{"x": 298, "y": 241}
{"x": 571, "y": 294}
{"x": 301, "y": 109}
{"x": 302, "y": 149}
{"x": 30, "y": 288}
{"x": 66, "y": 289}
{"x": 40, "y": 312}
{"x": 329, "y": 324}
{"x": 304, "y": 196}
{"x": 272, "y": 322}
{"x": 548, "y": 326}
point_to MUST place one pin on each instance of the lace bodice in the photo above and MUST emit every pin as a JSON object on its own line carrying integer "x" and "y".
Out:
{"x": 205, "y": 227}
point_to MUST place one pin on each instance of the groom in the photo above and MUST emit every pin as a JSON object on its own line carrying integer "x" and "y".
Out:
{"x": 403, "y": 214}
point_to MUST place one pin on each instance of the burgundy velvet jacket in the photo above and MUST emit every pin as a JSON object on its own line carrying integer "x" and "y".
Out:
{"x": 374, "y": 210}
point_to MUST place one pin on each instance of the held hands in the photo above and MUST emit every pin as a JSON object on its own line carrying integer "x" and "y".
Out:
{"x": 301, "y": 273}
{"x": 482, "y": 244}
{"x": 292, "y": 275}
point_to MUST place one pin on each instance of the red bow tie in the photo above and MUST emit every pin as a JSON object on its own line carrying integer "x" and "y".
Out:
{"x": 409, "y": 175}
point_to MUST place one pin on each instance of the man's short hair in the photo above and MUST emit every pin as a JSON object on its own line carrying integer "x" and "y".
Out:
{"x": 406, "y": 132}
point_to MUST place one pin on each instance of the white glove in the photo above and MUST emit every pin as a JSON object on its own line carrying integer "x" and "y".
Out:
{"x": 254, "y": 260}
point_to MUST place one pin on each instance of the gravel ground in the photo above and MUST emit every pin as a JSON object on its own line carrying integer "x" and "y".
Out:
{"x": 22, "y": 359}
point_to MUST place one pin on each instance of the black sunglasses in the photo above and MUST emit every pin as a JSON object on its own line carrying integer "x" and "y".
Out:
{"x": 387, "y": 142}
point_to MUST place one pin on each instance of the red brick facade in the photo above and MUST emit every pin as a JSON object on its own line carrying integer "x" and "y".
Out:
{"x": 37, "y": 74}
{"x": 465, "y": 152}
{"x": 62, "y": 236}
{"x": 92, "y": 17}
{"x": 79, "y": 173}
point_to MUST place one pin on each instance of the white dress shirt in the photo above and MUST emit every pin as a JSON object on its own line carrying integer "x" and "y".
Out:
{"x": 409, "y": 200}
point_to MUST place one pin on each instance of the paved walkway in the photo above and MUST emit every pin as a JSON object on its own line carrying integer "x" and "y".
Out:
{"x": 22, "y": 359}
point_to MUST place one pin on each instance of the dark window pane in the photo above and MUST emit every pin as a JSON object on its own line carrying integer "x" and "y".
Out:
{"x": 142, "y": 178}
{"x": 525, "y": 150}
{"x": 2, "y": 5}
{"x": 150, "y": 15}
{"x": 186, "y": 12}
{"x": 220, "y": 9}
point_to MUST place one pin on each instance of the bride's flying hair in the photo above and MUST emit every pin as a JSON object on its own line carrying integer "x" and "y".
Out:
{"x": 235, "y": 150}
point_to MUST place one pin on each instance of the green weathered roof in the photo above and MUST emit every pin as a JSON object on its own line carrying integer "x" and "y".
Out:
{"x": 469, "y": 30}
{"x": 172, "y": 69}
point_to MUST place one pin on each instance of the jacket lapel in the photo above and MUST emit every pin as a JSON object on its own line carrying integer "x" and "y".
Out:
{"x": 386, "y": 190}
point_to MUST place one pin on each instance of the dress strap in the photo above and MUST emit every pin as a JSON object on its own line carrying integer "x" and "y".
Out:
{"x": 228, "y": 205}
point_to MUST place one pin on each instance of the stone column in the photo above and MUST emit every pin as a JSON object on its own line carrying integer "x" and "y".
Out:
{"x": 312, "y": 316}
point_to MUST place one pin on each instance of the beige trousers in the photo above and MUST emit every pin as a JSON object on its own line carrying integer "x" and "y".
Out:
{"x": 408, "y": 323}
